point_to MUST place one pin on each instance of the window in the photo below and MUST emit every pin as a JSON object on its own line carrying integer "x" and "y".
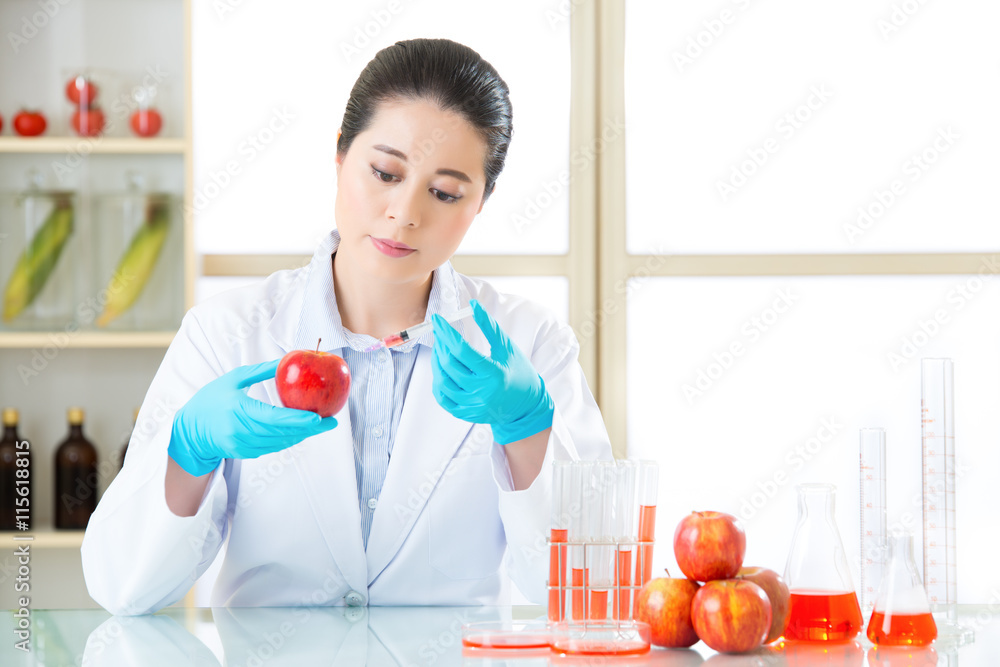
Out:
{"x": 809, "y": 205}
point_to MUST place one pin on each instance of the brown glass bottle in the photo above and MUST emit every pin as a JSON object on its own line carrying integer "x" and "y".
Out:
{"x": 13, "y": 448}
{"x": 76, "y": 476}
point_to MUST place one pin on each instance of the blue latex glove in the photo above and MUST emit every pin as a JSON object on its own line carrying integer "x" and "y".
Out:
{"x": 503, "y": 390}
{"x": 222, "y": 422}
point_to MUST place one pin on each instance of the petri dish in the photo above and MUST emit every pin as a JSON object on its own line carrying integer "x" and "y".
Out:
{"x": 506, "y": 635}
{"x": 622, "y": 639}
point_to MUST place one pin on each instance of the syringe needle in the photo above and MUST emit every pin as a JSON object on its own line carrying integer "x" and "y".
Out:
{"x": 416, "y": 330}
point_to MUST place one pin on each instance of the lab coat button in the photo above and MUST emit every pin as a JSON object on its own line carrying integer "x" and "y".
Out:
{"x": 377, "y": 431}
{"x": 354, "y": 599}
{"x": 372, "y": 502}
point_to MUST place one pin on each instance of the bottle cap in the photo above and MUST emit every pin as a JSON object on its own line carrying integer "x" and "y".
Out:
{"x": 75, "y": 416}
{"x": 10, "y": 417}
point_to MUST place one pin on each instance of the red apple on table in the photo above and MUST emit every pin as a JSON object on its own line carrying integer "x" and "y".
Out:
{"x": 313, "y": 380}
{"x": 665, "y": 603}
{"x": 710, "y": 545}
{"x": 731, "y": 615}
{"x": 777, "y": 594}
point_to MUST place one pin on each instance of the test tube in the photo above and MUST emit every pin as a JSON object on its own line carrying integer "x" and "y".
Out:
{"x": 602, "y": 548}
{"x": 647, "y": 489}
{"x": 873, "y": 512}
{"x": 560, "y": 534}
{"x": 579, "y": 473}
{"x": 624, "y": 533}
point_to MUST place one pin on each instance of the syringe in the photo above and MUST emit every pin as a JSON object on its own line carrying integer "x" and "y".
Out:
{"x": 416, "y": 330}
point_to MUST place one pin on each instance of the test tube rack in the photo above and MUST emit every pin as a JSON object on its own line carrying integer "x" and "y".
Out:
{"x": 598, "y": 619}
{"x": 601, "y": 550}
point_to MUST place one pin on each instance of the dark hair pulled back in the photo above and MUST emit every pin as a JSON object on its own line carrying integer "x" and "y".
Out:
{"x": 442, "y": 71}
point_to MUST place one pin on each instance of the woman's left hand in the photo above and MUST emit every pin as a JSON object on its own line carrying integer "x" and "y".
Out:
{"x": 503, "y": 390}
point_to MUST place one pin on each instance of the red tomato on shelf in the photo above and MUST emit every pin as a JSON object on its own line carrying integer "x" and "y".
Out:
{"x": 146, "y": 122}
{"x": 81, "y": 91}
{"x": 88, "y": 122}
{"x": 29, "y": 123}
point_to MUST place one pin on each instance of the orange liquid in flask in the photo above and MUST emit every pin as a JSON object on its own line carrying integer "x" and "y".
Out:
{"x": 823, "y": 616}
{"x": 904, "y": 629}
{"x": 557, "y": 575}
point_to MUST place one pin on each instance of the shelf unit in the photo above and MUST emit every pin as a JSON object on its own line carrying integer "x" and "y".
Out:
{"x": 105, "y": 146}
{"x": 13, "y": 340}
{"x": 100, "y": 34}
{"x": 49, "y": 538}
{"x": 105, "y": 371}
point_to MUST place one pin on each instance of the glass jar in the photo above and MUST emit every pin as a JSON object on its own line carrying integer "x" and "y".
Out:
{"x": 42, "y": 256}
{"x": 138, "y": 261}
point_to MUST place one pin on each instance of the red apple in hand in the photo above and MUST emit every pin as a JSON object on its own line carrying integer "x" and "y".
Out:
{"x": 709, "y": 545}
{"x": 313, "y": 380}
{"x": 731, "y": 615}
{"x": 777, "y": 594}
{"x": 665, "y": 603}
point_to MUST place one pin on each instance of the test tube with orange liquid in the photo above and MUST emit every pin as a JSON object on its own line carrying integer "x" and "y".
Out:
{"x": 557, "y": 540}
{"x": 579, "y": 579}
{"x": 647, "y": 487}
{"x": 601, "y": 557}
{"x": 625, "y": 536}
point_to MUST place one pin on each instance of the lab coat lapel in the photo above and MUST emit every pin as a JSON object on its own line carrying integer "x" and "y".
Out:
{"x": 426, "y": 439}
{"x": 325, "y": 463}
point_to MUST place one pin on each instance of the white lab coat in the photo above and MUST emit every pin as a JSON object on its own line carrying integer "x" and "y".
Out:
{"x": 448, "y": 525}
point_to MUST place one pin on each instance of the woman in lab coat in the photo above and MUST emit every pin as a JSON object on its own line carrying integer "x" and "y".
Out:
{"x": 433, "y": 486}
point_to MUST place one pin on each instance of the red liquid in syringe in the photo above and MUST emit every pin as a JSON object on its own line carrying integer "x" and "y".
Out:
{"x": 557, "y": 575}
{"x": 823, "y": 615}
{"x": 904, "y": 629}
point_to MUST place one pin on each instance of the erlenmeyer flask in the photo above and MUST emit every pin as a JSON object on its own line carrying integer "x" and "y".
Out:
{"x": 901, "y": 616}
{"x": 824, "y": 605}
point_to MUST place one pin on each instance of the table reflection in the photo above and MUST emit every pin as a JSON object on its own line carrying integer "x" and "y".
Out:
{"x": 892, "y": 656}
{"x": 254, "y": 637}
{"x": 396, "y": 637}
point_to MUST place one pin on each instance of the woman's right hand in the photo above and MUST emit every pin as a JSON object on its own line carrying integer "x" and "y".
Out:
{"x": 222, "y": 422}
